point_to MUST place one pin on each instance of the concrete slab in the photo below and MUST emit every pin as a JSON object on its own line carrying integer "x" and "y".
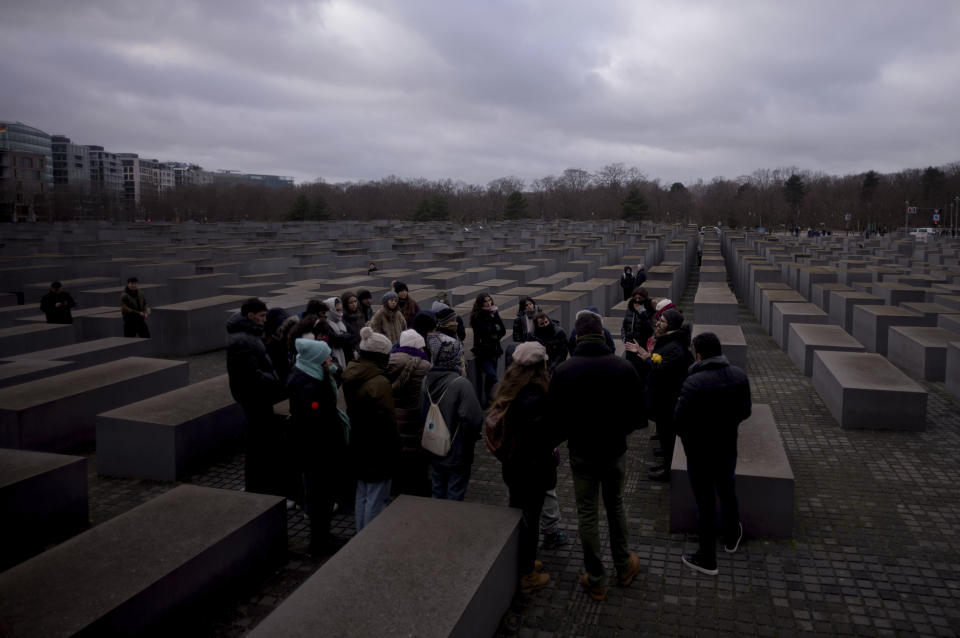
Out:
{"x": 384, "y": 582}
{"x": 920, "y": 351}
{"x": 842, "y": 303}
{"x": 871, "y": 323}
{"x": 43, "y": 499}
{"x": 34, "y": 336}
{"x": 130, "y": 573}
{"x": 807, "y": 338}
{"x": 88, "y": 353}
{"x": 58, "y": 412}
{"x": 192, "y": 327}
{"x": 865, "y": 391}
{"x": 171, "y": 435}
{"x": 764, "y": 481}
{"x": 13, "y": 372}
{"x": 783, "y": 315}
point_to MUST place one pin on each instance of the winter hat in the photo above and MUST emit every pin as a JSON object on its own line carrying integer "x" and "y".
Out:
{"x": 387, "y": 296}
{"x": 310, "y": 356}
{"x": 530, "y": 353}
{"x": 437, "y": 306}
{"x": 447, "y": 353}
{"x": 424, "y": 322}
{"x": 674, "y": 318}
{"x": 398, "y": 286}
{"x": 662, "y": 306}
{"x": 446, "y": 315}
{"x": 371, "y": 341}
{"x": 332, "y": 313}
{"x": 411, "y": 339}
{"x": 275, "y": 319}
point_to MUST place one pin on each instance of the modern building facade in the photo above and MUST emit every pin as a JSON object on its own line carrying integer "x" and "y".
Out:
{"x": 26, "y": 172}
{"x": 71, "y": 164}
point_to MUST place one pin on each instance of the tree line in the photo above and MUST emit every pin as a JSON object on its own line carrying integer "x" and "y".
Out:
{"x": 771, "y": 198}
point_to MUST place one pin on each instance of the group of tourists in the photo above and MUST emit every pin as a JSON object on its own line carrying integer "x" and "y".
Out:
{"x": 380, "y": 404}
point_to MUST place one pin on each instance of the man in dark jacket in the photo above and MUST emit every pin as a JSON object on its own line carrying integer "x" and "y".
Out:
{"x": 714, "y": 399}
{"x": 627, "y": 282}
{"x": 255, "y": 386}
{"x": 374, "y": 439}
{"x": 586, "y": 403}
{"x": 56, "y": 304}
{"x": 552, "y": 337}
{"x": 134, "y": 310}
{"x": 365, "y": 299}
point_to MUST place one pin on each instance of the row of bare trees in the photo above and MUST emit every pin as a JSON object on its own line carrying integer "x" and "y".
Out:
{"x": 772, "y": 198}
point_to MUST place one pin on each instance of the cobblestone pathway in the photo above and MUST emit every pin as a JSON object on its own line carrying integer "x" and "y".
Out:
{"x": 873, "y": 554}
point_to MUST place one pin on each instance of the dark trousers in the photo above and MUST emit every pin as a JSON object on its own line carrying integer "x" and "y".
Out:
{"x": 135, "y": 326}
{"x": 668, "y": 441}
{"x": 486, "y": 379}
{"x": 412, "y": 475}
{"x": 319, "y": 494}
{"x": 711, "y": 469}
{"x": 531, "y": 504}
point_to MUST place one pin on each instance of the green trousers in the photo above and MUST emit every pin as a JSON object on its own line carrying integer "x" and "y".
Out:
{"x": 590, "y": 481}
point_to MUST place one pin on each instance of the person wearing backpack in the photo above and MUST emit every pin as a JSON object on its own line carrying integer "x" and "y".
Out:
{"x": 448, "y": 402}
{"x": 525, "y": 449}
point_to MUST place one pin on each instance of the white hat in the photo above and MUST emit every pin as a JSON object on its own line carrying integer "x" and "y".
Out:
{"x": 411, "y": 339}
{"x": 530, "y": 353}
{"x": 371, "y": 341}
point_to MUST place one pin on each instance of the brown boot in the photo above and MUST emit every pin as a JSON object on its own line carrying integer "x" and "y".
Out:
{"x": 596, "y": 592}
{"x": 633, "y": 568}
{"x": 533, "y": 581}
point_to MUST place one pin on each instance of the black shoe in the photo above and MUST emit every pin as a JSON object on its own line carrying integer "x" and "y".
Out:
{"x": 661, "y": 475}
{"x": 733, "y": 547}
{"x": 555, "y": 539}
{"x": 696, "y": 563}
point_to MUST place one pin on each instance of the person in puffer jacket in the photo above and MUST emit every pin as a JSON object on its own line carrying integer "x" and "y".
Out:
{"x": 406, "y": 370}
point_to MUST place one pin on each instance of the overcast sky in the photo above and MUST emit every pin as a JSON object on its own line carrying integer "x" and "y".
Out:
{"x": 473, "y": 91}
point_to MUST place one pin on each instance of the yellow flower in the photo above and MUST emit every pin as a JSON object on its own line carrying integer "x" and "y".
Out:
{"x": 655, "y": 358}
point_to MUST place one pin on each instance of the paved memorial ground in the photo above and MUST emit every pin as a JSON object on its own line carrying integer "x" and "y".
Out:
{"x": 875, "y": 519}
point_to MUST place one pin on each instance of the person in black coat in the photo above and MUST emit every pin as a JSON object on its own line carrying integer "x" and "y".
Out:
{"x": 668, "y": 365}
{"x": 488, "y": 330}
{"x": 638, "y": 319}
{"x": 713, "y": 401}
{"x": 627, "y": 282}
{"x": 56, "y": 304}
{"x": 572, "y": 340}
{"x": 255, "y": 386}
{"x": 523, "y": 323}
{"x": 551, "y": 336}
{"x": 317, "y": 436}
{"x": 587, "y": 403}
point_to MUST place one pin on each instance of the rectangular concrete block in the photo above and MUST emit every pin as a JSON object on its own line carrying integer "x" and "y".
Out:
{"x": 764, "y": 481}
{"x": 140, "y": 568}
{"x": 842, "y": 303}
{"x": 783, "y": 315}
{"x": 952, "y": 373}
{"x": 168, "y": 436}
{"x": 807, "y": 338}
{"x": 88, "y": 353}
{"x": 23, "y": 370}
{"x": 386, "y": 582}
{"x": 34, "y": 336}
{"x": 43, "y": 499}
{"x": 58, "y": 412}
{"x": 871, "y": 324}
{"x": 920, "y": 351}
{"x": 865, "y": 391}
{"x": 192, "y": 327}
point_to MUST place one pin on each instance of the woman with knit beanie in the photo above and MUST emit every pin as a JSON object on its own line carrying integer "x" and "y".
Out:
{"x": 318, "y": 431}
{"x": 407, "y": 368}
{"x": 388, "y": 320}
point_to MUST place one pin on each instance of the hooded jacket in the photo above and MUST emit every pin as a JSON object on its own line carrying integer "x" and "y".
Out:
{"x": 637, "y": 324}
{"x": 713, "y": 401}
{"x": 374, "y": 441}
{"x": 342, "y": 341}
{"x": 461, "y": 412}
{"x": 406, "y": 373}
{"x": 554, "y": 339}
{"x": 253, "y": 380}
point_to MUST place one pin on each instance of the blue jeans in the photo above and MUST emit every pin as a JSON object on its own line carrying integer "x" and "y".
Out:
{"x": 486, "y": 379}
{"x": 371, "y": 500}
{"x": 449, "y": 482}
